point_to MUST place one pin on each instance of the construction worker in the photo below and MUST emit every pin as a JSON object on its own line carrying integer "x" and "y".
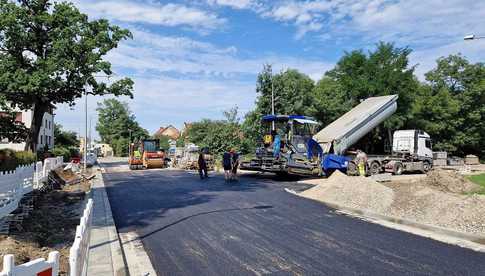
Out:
{"x": 361, "y": 160}
{"x": 202, "y": 166}
{"x": 227, "y": 165}
{"x": 234, "y": 164}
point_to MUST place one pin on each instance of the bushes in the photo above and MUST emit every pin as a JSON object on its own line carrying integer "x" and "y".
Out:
{"x": 10, "y": 159}
{"x": 66, "y": 152}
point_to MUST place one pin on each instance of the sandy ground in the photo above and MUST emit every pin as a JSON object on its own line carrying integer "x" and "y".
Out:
{"x": 442, "y": 198}
{"x": 51, "y": 226}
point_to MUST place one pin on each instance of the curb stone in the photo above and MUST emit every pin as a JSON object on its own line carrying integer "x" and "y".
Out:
{"x": 117, "y": 260}
{"x": 477, "y": 240}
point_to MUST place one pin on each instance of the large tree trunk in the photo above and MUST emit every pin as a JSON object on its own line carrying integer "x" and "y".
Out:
{"x": 37, "y": 117}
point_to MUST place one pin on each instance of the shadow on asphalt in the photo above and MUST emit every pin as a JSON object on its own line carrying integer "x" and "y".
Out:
{"x": 197, "y": 215}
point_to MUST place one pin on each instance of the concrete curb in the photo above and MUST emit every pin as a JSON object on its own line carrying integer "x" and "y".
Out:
{"x": 477, "y": 240}
{"x": 117, "y": 260}
{"x": 136, "y": 260}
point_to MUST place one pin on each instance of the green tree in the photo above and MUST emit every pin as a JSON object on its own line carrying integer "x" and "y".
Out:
{"x": 218, "y": 135}
{"x": 164, "y": 142}
{"x": 292, "y": 95}
{"x": 115, "y": 123}
{"x": 453, "y": 109}
{"x": 65, "y": 138}
{"x": 51, "y": 53}
{"x": 384, "y": 71}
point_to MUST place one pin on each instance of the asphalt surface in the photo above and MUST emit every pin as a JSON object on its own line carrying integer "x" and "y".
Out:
{"x": 254, "y": 227}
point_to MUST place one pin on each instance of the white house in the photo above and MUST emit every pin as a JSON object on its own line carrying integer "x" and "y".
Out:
{"x": 46, "y": 133}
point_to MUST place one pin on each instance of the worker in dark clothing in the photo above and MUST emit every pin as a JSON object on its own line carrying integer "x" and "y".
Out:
{"x": 202, "y": 166}
{"x": 227, "y": 165}
{"x": 234, "y": 164}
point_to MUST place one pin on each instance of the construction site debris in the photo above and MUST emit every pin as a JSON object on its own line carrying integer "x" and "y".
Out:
{"x": 450, "y": 181}
{"x": 66, "y": 176}
{"x": 471, "y": 160}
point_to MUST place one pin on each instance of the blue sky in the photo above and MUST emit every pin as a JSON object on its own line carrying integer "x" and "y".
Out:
{"x": 192, "y": 59}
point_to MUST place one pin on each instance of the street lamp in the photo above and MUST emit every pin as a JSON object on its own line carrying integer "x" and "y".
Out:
{"x": 473, "y": 37}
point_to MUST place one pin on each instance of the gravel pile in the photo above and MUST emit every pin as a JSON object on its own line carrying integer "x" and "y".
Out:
{"x": 450, "y": 181}
{"x": 356, "y": 192}
{"x": 437, "y": 200}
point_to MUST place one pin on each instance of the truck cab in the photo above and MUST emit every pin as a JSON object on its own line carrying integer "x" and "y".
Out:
{"x": 413, "y": 143}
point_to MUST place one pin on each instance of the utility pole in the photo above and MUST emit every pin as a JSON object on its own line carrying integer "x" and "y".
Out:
{"x": 272, "y": 100}
{"x": 129, "y": 143}
{"x": 85, "y": 129}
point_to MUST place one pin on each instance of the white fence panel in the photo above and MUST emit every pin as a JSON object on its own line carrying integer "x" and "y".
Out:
{"x": 15, "y": 184}
{"x": 79, "y": 252}
{"x": 36, "y": 267}
{"x": 10, "y": 192}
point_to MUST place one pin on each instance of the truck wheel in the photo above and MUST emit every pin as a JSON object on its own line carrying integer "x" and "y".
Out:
{"x": 352, "y": 168}
{"x": 426, "y": 166}
{"x": 397, "y": 169}
{"x": 375, "y": 168}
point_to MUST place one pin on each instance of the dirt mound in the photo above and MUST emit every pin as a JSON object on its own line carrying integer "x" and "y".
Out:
{"x": 420, "y": 202}
{"x": 450, "y": 181}
{"x": 351, "y": 191}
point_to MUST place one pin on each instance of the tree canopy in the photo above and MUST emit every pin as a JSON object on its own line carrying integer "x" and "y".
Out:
{"x": 115, "y": 125}
{"x": 50, "y": 53}
{"x": 449, "y": 104}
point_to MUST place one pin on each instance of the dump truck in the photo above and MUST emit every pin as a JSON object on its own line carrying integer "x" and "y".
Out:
{"x": 146, "y": 154}
{"x": 326, "y": 151}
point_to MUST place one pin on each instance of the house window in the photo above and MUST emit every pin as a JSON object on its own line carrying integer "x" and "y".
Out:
{"x": 45, "y": 123}
{"x": 41, "y": 141}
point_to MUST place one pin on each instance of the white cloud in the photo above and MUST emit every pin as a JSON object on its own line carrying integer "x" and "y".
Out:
{"x": 152, "y": 13}
{"x": 193, "y": 58}
{"x": 237, "y": 4}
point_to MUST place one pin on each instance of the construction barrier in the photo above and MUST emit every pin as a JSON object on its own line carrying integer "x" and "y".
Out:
{"x": 23, "y": 180}
{"x": 79, "y": 252}
{"x": 37, "y": 267}
{"x": 13, "y": 186}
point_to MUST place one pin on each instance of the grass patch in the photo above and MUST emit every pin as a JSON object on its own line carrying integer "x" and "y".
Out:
{"x": 480, "y": 180}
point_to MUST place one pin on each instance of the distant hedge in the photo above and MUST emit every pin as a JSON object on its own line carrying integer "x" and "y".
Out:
{"x": 10, "y": 159}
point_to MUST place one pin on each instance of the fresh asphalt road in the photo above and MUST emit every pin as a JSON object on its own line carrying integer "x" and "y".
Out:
{"x": 194, "y": 227}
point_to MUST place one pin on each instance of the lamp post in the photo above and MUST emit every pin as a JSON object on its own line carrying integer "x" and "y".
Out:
{"x": 272, "y": 98}
{"x": 473, "y": 37}
{"x": 86, "y": 123}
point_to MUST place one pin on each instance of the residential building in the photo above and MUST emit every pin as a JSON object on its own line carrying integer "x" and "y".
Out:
{"x": 170, "y": 131}
{"x": 46, "y": 132}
